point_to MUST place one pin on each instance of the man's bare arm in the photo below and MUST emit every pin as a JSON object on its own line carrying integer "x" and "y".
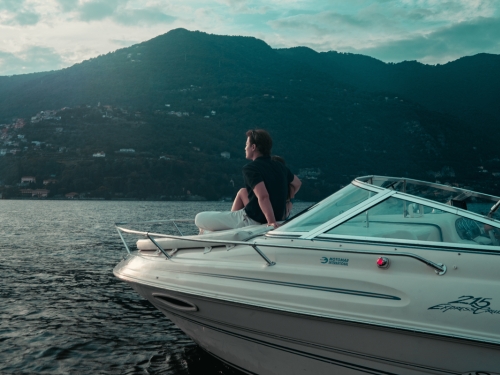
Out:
{"x": 294, "y": 186}
{"x": 262, "y": 195}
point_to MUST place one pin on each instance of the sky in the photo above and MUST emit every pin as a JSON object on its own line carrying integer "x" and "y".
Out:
{"x": 42, "y": 35}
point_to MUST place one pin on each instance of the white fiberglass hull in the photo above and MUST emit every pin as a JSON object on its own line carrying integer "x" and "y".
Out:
{"x": 261, "y": 338}
{"x": 263, "y": 341}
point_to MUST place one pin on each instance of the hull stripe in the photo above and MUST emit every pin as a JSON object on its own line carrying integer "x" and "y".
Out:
{"x": 296, "y": 285}
{"x": 353, "y": 366}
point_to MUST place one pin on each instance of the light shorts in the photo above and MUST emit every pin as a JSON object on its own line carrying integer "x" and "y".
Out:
{"x": 215, "y": 220}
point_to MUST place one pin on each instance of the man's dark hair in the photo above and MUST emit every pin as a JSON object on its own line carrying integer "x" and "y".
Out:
{"x": 262, "y": 140}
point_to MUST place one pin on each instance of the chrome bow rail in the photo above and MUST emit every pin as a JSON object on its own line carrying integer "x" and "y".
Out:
{"x": 439, "y": 268}
{"x": 150, "y": 236}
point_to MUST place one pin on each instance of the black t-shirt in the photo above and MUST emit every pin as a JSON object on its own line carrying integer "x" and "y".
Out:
{"x": 276, "y": 177}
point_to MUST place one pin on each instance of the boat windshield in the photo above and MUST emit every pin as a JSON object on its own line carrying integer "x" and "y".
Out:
{"x": 336, "y": 204}
{"x": 465, "y": 199}
{"x": 400, "y": 219}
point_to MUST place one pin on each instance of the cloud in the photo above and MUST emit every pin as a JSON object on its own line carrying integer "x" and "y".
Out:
{"x": 320, "y": 23}
{"x": 369, "y": 20}
{"x": 117, "y": 11}
{"x": 97, "y": 10}
{"x": 68, "y": 5}
{"x": 17, "y": 13}
{"x": 11, "y": 5}
{"x": 445, "y": 44}
{"x": 29, "y": 60}
{"x": 430, "y": 31}
{"x": 392, "y": 30}
{"x": 125, "y": 42}
{"x": 246, "y": 7}
{"x": 25, "y": 19}
{"x": 142, "y": 17}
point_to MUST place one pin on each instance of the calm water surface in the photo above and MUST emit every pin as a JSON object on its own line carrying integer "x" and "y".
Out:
{"x": 62, "y": 310}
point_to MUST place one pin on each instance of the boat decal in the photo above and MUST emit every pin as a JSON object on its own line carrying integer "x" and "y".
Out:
{"x": 340, "y": 363}
{"x": 335, "y": 261}
{"x": 475, "y": 305}
{"x": 360, "y": 293}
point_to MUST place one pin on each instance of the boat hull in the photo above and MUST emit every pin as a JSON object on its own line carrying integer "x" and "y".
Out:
{"x": 265, "y": 341}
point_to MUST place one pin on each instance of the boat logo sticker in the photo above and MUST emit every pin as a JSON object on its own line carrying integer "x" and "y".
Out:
{"x": 335, "y": 261}
{"x": 475, "y": 305}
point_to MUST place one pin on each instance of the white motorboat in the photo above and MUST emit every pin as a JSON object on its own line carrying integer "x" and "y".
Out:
{"x": 385, "y": 276}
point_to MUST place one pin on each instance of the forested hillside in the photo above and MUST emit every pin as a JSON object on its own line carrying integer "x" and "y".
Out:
{"x": 466, "y": 88}
{"x": 183, "y": 98}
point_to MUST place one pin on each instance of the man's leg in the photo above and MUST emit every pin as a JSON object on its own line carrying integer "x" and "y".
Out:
{"x": 214, "y": 221}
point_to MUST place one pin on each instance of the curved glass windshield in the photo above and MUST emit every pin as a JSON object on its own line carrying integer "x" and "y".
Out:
{"x": 396, "y": 218}
{"x": 464, "y": 199}
{"x": 336, "y": 204}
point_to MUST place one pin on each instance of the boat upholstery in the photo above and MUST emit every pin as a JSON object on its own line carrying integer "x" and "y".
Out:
{"x": 237, "y": 234}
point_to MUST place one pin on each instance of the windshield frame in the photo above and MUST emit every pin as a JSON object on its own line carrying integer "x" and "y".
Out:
{"x": 281, "y": 231}
{"x": 381, "y": 194}
{"x": 411, "y": 198}
{"x": 460, "y": 194}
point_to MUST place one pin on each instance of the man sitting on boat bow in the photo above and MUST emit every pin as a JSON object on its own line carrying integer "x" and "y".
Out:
{"x": 269, "y": 184}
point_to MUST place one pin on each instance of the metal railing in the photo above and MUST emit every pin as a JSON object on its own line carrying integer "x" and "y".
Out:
{"x": 439, "y": 268}
{"x": 149, "y": 235}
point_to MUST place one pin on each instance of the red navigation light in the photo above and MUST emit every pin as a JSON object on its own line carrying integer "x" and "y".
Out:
{"x": 383, "y": 262}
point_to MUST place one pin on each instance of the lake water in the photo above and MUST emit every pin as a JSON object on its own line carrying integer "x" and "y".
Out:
{"x": 62, "y": 310}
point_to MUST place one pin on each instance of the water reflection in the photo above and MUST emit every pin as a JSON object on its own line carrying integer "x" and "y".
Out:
{"x": 62, "y": 309}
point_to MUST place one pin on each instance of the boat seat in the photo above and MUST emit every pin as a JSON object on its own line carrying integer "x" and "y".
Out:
{"x": 237, "y": 234}
{"x": 381, "y": 229}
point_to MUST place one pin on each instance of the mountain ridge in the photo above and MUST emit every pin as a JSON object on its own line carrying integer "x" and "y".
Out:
{"x": 195, "y": 95}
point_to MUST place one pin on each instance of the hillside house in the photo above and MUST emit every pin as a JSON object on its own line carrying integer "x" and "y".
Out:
{"x": 38, "y": 193}
{"x": 309, "y": 173}
{"x": 28, "y": 180}
{"x": 71, "y": 195}
{"x": 19, "y": 124}
{"x": 49, "y": 181}
{"x": 101, "y": 154}
{"x": 127, "y": 150}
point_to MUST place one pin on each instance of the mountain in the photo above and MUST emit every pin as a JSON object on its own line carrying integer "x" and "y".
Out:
{"x": 466, "y": 88}
{"x": 181, "y": 99}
